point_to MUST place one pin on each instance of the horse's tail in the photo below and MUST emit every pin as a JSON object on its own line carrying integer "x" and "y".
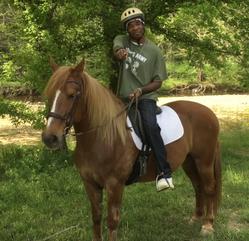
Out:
{"x": 218, "y": 177}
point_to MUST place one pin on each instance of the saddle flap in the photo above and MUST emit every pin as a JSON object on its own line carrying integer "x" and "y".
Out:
{"x": 136, "y": 122}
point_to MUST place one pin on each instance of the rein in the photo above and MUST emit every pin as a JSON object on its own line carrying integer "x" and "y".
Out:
{"x": 125, "y": 108}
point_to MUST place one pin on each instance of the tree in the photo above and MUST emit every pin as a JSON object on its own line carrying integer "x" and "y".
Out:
{"x": 201, "y": 32}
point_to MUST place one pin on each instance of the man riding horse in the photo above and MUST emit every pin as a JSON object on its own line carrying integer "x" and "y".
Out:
{"x": 142, "y": 70}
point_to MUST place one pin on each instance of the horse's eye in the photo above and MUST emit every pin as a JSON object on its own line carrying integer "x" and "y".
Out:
{"x": 71, "y": 96}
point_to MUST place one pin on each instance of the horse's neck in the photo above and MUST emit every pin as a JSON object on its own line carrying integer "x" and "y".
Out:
{"x": 107, "y": 131}
{"x": 88, "y": 140}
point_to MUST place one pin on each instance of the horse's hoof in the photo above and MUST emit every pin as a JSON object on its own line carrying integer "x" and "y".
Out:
{"x": 207, "y": 230}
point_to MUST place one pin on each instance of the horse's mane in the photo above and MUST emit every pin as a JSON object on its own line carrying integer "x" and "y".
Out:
{"x": 104, "y": 110}
{"x": 102, "y": 106}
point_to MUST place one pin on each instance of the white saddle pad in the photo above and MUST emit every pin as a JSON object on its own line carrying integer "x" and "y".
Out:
{"x": 170, "y": 124}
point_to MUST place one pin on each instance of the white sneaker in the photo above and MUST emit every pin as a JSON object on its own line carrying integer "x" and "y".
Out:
{"x": 164, "y": 183}
{"x": 170, "y": 182}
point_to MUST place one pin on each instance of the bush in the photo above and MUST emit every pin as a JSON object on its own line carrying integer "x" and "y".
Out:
{"x": 20, "y": 113}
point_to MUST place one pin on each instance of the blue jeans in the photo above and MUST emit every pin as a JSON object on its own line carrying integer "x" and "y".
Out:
{"x": 152, "y": 130}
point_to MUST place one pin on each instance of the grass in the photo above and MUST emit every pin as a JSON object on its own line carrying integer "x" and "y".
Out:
{"x": 42, "y": 198}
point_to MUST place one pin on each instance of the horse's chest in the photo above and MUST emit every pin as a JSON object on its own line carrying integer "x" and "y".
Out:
{"x": 93, "y": 167}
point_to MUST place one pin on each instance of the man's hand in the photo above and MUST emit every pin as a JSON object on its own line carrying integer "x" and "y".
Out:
{"x": 136, "y": 93}
{"x": 121, "y": 54}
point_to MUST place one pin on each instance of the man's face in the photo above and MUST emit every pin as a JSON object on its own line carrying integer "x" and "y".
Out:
{"x": 136, "y": 29}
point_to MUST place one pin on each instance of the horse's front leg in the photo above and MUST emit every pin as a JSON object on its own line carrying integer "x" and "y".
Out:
{"x": 115, "y": 193}
{"x": 95, "y": 194}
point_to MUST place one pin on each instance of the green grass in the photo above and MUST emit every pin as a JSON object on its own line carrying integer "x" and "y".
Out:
{"x": 42, "y": 198}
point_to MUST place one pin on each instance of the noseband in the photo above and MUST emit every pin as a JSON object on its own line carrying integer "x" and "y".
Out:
{"x": 68, "y": 117}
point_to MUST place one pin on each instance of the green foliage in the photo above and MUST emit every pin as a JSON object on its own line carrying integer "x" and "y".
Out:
{"x": 20, "y": 162}
{"x": 62, "y": 30}
{"x": 208, "y": 36}
{"x": 21, "y": 113}
{"x": 8, "y": 71}
{"x": 235, "y": 15}
{"x": 183, "y": 74}
{"x": 203, "y": 32}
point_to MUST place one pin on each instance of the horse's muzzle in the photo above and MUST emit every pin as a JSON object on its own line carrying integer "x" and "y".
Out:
{"x": 53, "y": 141}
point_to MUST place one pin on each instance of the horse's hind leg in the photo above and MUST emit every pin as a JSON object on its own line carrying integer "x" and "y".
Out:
{"x": 205, "y": 166}
{"x": 95, "y": 194}
{"x": 114, "y": 193}
{"x": 190, "y": 169}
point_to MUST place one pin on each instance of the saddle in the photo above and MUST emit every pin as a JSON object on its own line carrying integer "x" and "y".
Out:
{"x": 140, "y": 165}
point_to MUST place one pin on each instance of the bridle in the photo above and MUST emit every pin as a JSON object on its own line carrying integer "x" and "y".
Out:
{"x": 68, "y": 117}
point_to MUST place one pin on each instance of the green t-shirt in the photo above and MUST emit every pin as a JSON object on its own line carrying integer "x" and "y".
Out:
{"x": 144, "y": 64}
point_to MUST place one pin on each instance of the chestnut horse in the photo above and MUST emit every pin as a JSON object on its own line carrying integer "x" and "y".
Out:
{"x": 105, "y": 152}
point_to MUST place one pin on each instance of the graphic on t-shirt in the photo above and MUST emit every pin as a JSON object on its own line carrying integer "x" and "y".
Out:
{"x": 134, "y": 60}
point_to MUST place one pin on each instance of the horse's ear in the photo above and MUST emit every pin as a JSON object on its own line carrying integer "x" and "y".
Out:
{"x": 53, "y": 65}
{"x": 80, "y": 66}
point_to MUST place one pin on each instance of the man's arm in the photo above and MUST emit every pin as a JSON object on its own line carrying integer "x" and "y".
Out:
{"x": 119, "y": 50}
{"x": 152, "y": 86}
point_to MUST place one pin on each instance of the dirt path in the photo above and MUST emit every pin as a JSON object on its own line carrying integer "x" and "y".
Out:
{"x": 228, "y": 108}
{"x": 225, "y": 106}
{"x": 19, "y": 135}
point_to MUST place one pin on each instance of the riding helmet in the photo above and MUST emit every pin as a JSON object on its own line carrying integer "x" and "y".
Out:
{"x": 131, "y": 13}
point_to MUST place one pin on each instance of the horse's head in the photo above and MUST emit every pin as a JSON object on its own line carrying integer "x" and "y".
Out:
{"x": 63, "y": 91}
